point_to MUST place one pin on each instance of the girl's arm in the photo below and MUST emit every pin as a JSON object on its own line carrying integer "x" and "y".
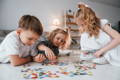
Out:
{"x": 15, "y": 60}
{"x": 48, "y": 52}
{"x": 114, "y": 42}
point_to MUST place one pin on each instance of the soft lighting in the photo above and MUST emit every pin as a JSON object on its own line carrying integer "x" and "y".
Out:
{"x": 56, "y": 22}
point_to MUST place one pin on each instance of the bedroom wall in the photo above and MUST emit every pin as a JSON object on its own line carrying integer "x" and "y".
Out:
{"x": 47, "y": 10}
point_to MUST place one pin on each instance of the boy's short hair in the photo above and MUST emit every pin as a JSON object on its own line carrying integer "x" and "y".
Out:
{"x": 28, "y": 22}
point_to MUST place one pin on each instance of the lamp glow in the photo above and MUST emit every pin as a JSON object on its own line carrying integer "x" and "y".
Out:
{"x": 56, "y": 22}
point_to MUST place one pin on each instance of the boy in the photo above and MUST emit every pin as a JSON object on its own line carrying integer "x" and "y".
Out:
{"x": 16, "y": 47}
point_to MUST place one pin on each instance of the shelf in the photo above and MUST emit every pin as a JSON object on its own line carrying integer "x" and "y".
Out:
{"x": 75, "y": 36}
{"x": 75, "y": 30}
{"x": 69, "y": 16}
{"x": 71, "y": 23}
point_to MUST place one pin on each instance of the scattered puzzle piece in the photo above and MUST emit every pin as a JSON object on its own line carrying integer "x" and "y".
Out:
{"x": 60, "y": 69}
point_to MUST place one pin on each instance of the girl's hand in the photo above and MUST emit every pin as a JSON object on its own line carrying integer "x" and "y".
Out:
{"x": 48, "y": 52}
{"x": 39, "y": 58}
{"x": 98, "y": 54}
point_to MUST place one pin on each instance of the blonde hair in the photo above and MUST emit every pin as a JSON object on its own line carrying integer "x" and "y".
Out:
{"x": 67, "y": 42}
{"x": 91, "y": 21}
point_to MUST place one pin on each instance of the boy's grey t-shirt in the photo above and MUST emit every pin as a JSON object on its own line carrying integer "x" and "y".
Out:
{"x": 12, "y": 45}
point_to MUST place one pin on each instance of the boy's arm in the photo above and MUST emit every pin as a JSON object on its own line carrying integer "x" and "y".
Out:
{"x": 15, "y": 60}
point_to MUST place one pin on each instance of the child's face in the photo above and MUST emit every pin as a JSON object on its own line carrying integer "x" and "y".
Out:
{"x": 59, "y": 39}
{"x": 27, "y": 36}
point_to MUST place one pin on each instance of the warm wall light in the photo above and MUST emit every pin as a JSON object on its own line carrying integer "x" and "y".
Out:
{"x": 56, "y": 22}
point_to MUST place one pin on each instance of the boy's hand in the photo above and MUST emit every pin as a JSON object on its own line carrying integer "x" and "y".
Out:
{"x": 39, "y": 58}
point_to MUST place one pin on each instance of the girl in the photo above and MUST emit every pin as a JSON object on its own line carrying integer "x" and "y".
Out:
{"x": 49, "y": 49}
{"x": 95, "y": 37}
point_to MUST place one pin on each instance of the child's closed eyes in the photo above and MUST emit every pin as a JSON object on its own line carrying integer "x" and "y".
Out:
{"x": 61, "y": 40}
